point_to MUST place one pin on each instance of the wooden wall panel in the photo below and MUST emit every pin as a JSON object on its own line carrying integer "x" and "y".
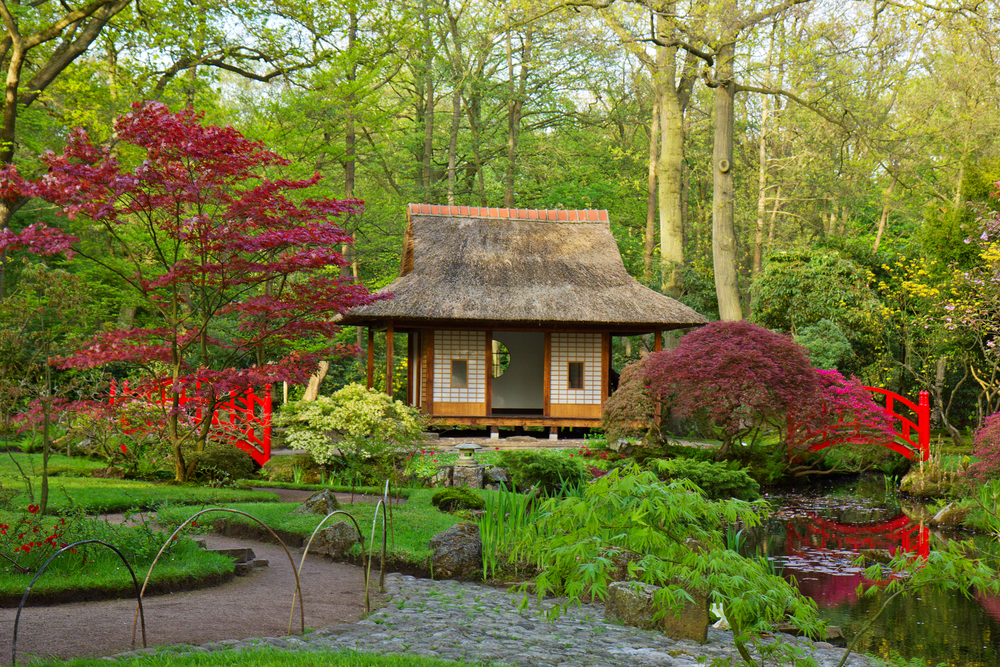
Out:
{"x": 574, "y": 410}
{"x": 459, "y": 409}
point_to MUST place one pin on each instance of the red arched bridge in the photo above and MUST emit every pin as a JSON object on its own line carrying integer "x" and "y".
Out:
{"x": 912, "y": 430}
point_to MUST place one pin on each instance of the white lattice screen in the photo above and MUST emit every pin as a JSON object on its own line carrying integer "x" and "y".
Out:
{"x": 581, "y": 348}
{"x": 467, "y": 345}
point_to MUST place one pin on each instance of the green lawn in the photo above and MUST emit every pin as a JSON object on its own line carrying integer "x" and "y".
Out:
{"x": 95, "y": 495}
{"x": 414, "y": 522}
{"x": 94, "y": 568}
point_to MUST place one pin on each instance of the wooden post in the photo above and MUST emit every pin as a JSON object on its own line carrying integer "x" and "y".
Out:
{"x": 547, "y": 374}
{"x": 409, "y": 369}
{"x": 371, "y": 357}
{"x": 429, "y": 399}
{"x": 605, "y": 366}
{"x": 388, "y": 358}
{"x": 489, "y": 371}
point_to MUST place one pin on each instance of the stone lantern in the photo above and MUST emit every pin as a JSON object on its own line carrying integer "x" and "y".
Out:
{"x": 467, "y": 454}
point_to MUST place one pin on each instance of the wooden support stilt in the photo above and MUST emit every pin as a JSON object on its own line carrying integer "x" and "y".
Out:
{"x": 371, "y": 357}
{"x": 388, "y": 358}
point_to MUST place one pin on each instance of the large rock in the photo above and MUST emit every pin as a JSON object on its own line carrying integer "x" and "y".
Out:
{"x": 632, "y": 603}
{"x": 321, "y": 502}
{"x": 458, "y": 552}
{"x": 468, "y": 477}
{"x": 621, "y": 446}
{"x": 951, "y": 515}
{"x": 335, "y": 540}
{"x": 926, "y": 481}
{"x": 442, "y": 477}
{"x": 496, "y": 477}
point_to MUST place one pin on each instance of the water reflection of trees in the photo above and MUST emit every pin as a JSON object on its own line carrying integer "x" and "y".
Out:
{"x": 933, "y": 624}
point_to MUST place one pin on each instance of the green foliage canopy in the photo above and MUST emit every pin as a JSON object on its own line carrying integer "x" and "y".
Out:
{"x": 798, "y": 289}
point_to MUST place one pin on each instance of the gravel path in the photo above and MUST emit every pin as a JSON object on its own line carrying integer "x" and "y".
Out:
{"x": 451, "y": 620}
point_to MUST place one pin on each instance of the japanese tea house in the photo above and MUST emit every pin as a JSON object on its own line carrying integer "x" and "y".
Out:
{"x": 510, "y": 314}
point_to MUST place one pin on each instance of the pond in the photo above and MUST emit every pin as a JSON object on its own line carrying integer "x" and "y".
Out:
{"x": 814, "y": 537}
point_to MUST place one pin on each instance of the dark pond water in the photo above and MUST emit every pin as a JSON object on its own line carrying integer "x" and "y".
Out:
{"x": 814, "y": 537}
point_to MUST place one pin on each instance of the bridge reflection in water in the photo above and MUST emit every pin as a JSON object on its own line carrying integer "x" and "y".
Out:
{"x": 819, "y": 552}
{"x": 816, "y": 541}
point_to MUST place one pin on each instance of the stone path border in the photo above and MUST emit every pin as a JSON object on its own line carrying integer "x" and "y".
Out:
{"x": 456, "y": 621}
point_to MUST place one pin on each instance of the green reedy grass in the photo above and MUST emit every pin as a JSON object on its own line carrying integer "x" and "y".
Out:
{"x": 267, "y": 657}
{"x": 415, "y": 522}
{"x": 505, "y": 524}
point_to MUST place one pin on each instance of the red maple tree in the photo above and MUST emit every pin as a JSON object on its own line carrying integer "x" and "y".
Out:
{"x": 742, "y": 380}
{"x": 231, "y": 271}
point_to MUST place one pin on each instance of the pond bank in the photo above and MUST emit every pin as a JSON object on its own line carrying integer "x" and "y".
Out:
{"x": 452, "y": 620}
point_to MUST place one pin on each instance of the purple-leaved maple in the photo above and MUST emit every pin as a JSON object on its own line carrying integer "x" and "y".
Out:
{"x": 742, "y": 379}
{"x": 237, "y": 273}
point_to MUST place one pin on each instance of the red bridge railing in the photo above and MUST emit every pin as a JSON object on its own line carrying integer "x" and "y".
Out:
{"x": 908, "y": 428}
{"x": 244, "y": 418}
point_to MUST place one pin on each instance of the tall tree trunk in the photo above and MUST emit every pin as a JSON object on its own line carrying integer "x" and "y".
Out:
{"x": 7, "y": 130}
{"x": 350, "y": 133}
{"x": 762, "y": 173}
{"x": 649, "y": 241}
{"x": 723, "y": 227}
{"x": 774, "y": 215}
{"x": 458, "y": 83}
{"x": 456, "y": 115}
{"x": 670, "y": 165}
{"x": 428, "y": 110}
{"x": 315, "y": 380}
{"x": 472, "y": 111}
{"x": 884, "y": 218}
{"x": 515, "y": 107}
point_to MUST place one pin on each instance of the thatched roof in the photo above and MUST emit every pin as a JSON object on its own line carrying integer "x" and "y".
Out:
{"x": 520, "y": 267}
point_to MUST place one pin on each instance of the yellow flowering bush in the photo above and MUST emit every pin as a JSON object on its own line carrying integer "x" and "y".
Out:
{"x": 352, "y": 425}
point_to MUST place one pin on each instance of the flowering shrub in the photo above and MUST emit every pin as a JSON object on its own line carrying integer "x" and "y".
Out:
{"x": 353, "y": 425}
{"x": 422, "y": 463}
{"x": 986, "y": 447}
{"x": 30, "y": 541}
{"x": 974, "y": 307}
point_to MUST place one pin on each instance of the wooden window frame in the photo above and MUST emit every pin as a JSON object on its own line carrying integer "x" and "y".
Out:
{"x": 451, "y": 382}
{"x": 569, "y": 376}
